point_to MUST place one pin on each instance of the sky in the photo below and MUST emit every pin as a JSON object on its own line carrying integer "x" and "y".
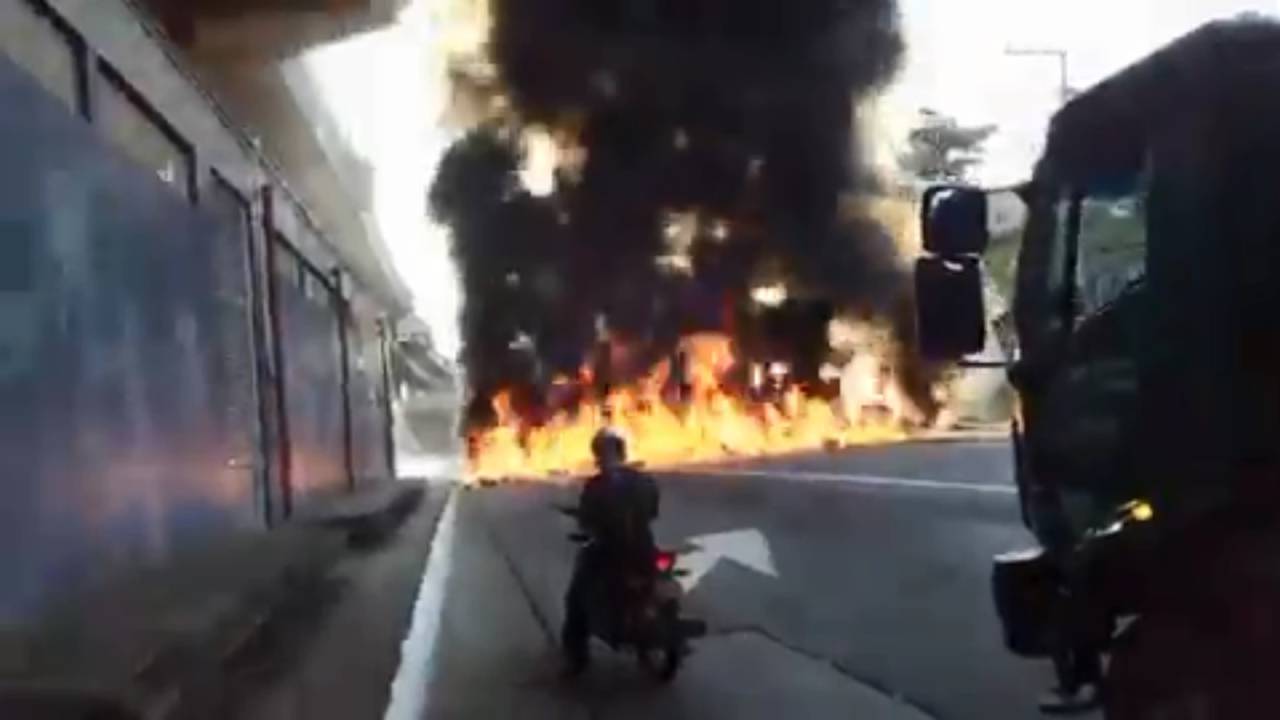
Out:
{"x": 956, "y": 61}
{"x": 387, "y": 91}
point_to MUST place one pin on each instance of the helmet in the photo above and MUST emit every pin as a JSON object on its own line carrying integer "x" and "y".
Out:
{"x": 609, "y": 443}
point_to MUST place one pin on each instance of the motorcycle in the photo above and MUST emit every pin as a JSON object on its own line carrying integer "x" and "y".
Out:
{"x": 639, "y": 611}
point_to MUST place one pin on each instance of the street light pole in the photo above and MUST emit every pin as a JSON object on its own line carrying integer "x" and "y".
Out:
{"x": 1064, "y": 91}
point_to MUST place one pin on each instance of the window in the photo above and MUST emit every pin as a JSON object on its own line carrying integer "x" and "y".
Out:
{"x": 1111, "y": 242}
{"x": 1098, "y": 247}
{"x": 1113, "y": 248}
{"x": 41, "y": 45}
{"x": 138, "y": 130}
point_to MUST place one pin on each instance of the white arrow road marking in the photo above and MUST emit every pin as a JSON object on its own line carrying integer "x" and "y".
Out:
{"x": 853, "y": 479}
{"x": 748, "y": 548}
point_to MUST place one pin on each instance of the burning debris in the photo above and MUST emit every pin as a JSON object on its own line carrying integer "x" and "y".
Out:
{"x": 652, "y": 174}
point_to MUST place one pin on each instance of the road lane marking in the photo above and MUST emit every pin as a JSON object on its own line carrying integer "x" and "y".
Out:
{"x": 748, "y": 547}
{"x": 872, "y": 480}
{"x": 408, "y": 699}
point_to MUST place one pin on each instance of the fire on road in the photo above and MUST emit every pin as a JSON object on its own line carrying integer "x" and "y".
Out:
{"x": 694, "y": 413}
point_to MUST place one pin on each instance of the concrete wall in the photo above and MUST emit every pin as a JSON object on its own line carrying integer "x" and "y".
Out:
{"x": 129, "y": 402}
{"x": 116, "y": 31}
{"x": 312, "y": 372}
{"x": 158, "y": 380}
{"x": 248, "y": 55}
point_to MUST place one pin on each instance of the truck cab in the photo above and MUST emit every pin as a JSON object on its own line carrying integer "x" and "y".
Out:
{"x": 1147, "y": 367}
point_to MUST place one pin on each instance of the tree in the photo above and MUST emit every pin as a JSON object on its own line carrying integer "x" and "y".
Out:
{"x": 943, "y": 150}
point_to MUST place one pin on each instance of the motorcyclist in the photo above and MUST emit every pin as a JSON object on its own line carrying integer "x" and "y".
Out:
{"x": 615, "y": 508}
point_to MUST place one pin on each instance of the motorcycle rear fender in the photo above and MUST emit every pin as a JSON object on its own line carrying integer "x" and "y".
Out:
{"x": 667, "y": 589}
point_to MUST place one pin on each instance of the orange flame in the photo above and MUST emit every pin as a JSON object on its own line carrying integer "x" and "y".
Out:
{"x": 711, "y": 423}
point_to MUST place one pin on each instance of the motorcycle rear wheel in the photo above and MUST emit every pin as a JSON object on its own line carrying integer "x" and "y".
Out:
{"x": 663, "y": 656}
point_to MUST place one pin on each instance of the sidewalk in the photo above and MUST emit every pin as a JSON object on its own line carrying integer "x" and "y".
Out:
{"x": 336, "y": 659}
{"x": 158, "y": 641}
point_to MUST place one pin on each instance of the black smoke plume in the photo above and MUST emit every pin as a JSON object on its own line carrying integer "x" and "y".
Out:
{"x": 741, "y": 111}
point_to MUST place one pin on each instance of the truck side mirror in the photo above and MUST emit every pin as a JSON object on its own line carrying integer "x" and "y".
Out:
{"x": 950, "y": 318}
{"x": 954, "y": 220}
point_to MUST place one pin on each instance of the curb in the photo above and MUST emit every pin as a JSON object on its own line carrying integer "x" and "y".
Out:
{"x": 185, "y": 652}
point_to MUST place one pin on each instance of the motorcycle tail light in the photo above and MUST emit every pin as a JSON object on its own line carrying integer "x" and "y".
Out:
{"x": 664, "y": 561}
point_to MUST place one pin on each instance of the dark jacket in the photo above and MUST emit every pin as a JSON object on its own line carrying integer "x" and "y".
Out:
{"x": 616, "y": 508}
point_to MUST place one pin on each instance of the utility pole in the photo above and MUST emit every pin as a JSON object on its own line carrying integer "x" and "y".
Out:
{"x": 1064, "y": 90}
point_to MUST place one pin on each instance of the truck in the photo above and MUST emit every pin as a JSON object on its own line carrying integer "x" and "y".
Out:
{"x": 1146, "y": 434}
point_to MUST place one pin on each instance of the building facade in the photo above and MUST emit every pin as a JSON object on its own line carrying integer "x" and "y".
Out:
{"x": 188, "y": 349}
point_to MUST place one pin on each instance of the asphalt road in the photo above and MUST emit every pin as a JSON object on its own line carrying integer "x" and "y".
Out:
{"x": 873, "y": 600}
